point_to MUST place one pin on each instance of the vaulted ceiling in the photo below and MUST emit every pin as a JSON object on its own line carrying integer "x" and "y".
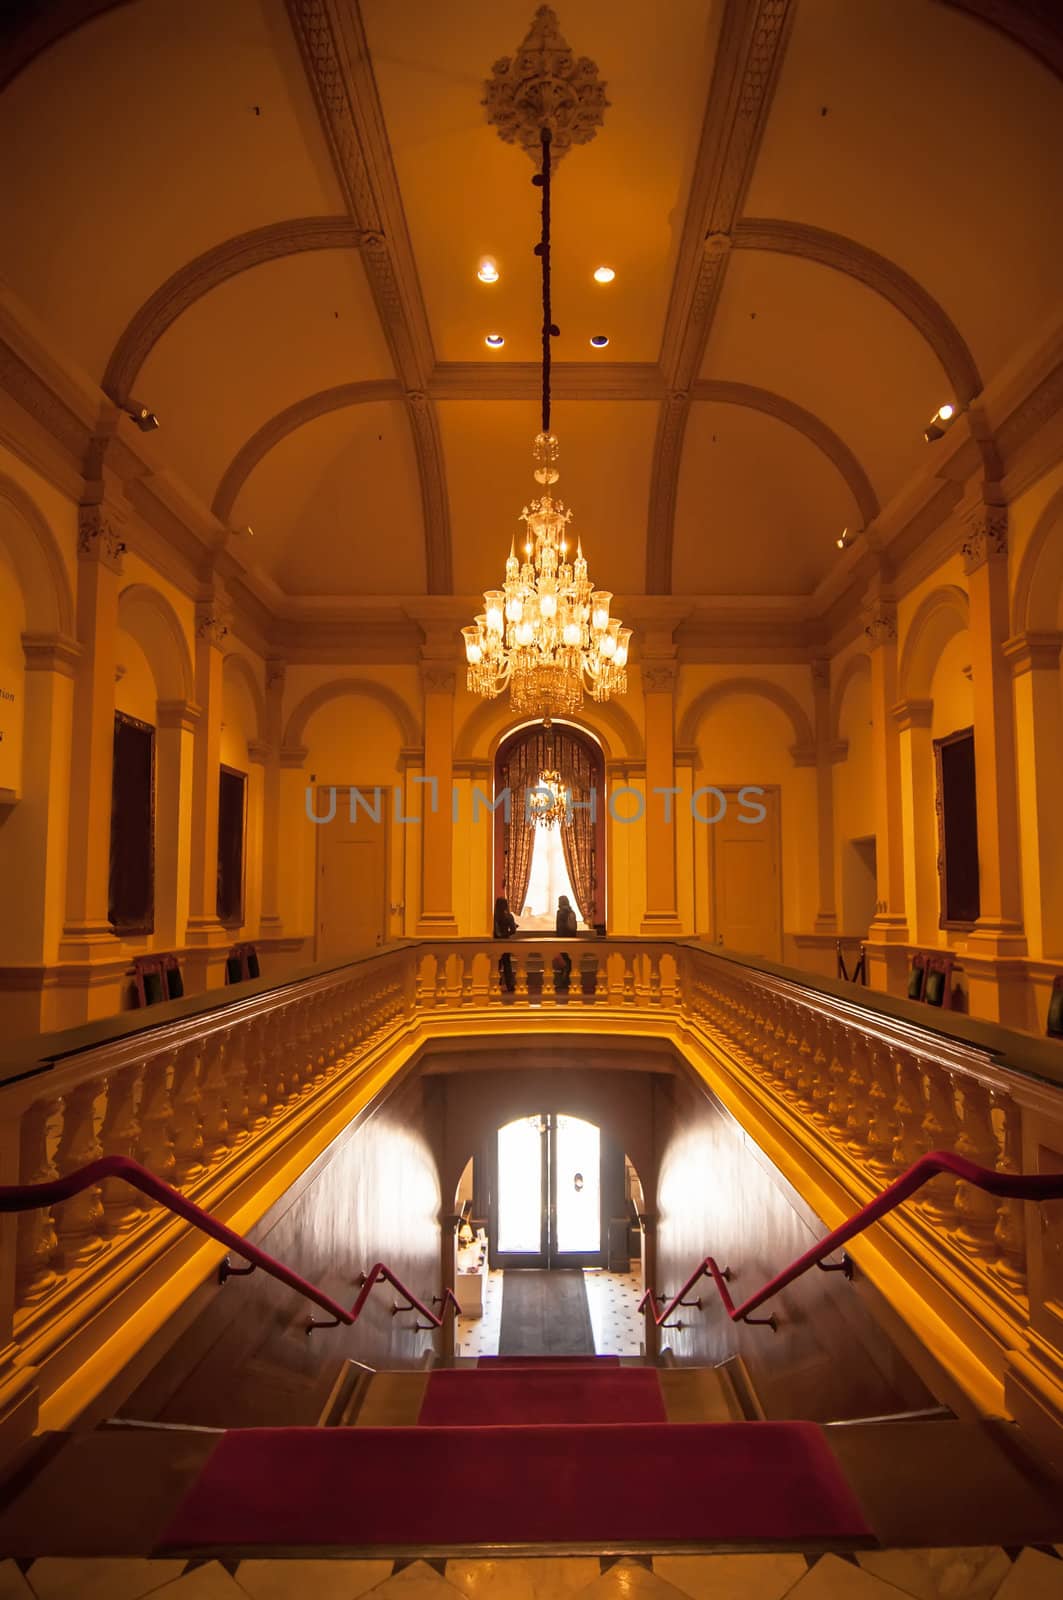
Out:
{"x": 263, "y": 220}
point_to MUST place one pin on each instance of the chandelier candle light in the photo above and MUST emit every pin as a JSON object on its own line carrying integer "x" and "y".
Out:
{"x": 547, "y": 634}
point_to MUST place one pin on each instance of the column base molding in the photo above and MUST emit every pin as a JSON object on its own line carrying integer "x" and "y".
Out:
{"x": 661, "y": 925}
{"x": 888, "y": 927}
{"x": 997, "y": 938}
{"x": 86, "y": 941}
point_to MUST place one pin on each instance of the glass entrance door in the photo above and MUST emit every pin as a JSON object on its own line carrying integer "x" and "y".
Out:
{"x": 548, "y": 1193}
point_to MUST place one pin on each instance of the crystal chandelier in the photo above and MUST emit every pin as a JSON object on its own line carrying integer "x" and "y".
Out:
{"x": 547, "y": 634}
{"x": 547, "y": 802}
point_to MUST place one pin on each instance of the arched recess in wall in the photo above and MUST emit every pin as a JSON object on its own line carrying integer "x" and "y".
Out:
{"x": 148, "y": 617}
{"x": 37, "y": 560}
{"x": 295, "y": 729}
{"x": 1037, "y": 602}
{"x": 236, "y": 667}
{"x": 858, "y": 665}
{"x": 700, "y": 707}
{"x": 942, "y": 614}
{"x": 492, "y": 721}
{"x": 521, "y": 760}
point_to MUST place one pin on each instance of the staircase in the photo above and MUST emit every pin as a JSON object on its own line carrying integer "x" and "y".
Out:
{"x": 527, "y": 1456}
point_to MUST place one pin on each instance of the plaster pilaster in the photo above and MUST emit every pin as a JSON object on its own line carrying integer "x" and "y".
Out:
{"x": 659, "y": 674}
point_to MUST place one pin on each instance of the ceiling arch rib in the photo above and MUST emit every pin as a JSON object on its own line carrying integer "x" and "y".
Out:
{"x": 199, "y": 276}
{"x": 285, "y": 422}
{"x": 880, "y": 274}
{"x": 1038, "y": 29}
{"x": 816, "y": 431}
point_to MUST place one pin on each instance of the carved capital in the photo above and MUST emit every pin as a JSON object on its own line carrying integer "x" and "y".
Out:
{"x": 804, "y": 755}
{"x": 438, "y": 679}
{"x": 659, "y": 677}
{"x": 51, "y": 652}
{"x": 100, "y": 536}
{"x": 258, "y": 752}
{"x": 913, "y": 714}
{"x": 820, "y": 670}
{"x": 838, "y": 751}
{"x": 214, "y": 619}
{"x": 545, "y": 84}
{"x": 293, "y": 756}
{"x": 880, "y": 623}
{"x": 275, "y": 672}
{"x": 986, "y": 536}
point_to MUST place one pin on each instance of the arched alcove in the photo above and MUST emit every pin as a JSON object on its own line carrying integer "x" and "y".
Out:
{"x": 522, "y": 846}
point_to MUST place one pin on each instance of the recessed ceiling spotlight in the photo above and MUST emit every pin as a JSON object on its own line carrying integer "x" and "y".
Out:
{"x": 145, "y": 420}
{"x": 495, "y": 340}
{"x": 604, "y": 274}
{"x": 943, "y": 418}
{"x": 487, "y": 271}
{"x": 599, "y": 340}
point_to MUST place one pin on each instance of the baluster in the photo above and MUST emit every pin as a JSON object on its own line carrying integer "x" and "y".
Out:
{"x": 298, "y": 1069}
{"x": 940, "y": 1131}
{"x": 275, "y": 1029}
{"x": 807, "y": 1068}
{"x": 882, "y": 1099}
{"x": 976, "y": 1210}
{"x": 838, "y": 1073}
{"x": 909, "y": 1109}
{"x": 1010, "y": 1231}
{"x": 255, "y": 1055}
{"x": 188, "y": 1134}
{"x": 821, "y": 1082}
{"x": 792, "y": 1048}
{"x": 213, "y": 1096}
{"x": 156, "y": 1123}
{"x": 120, "y": 1136}
{"x": 858, "y": 1116}
{"x": 36, "y": 1243}
{"x": 79, "y": 1221}
{"x": 237, "y": 1082}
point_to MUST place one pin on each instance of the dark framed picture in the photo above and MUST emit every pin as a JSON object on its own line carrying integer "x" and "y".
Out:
{"x": 232, "y": 817}
{"x": 957, "y": 815}
{"x": 131, "y": 879}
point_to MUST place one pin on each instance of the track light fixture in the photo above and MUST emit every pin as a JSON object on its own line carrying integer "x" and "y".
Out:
{"x": 145, "y": 420}
{"x": 844, "y": 539}
{"x": 943, "y": 418}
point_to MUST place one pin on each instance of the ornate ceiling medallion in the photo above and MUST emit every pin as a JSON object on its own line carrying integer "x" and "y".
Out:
{"x": 544, "y": 85}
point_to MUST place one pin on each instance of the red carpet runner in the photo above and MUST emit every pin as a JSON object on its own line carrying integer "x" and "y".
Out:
{"x": 293, "y": 1488}
{"x": 538, "y": 1395}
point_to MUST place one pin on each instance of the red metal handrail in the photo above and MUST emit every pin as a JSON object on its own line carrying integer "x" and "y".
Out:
{"x": 28, "y": 1197}
{"x": 1011, "y": 1186}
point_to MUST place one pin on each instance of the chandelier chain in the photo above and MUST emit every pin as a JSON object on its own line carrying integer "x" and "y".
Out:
{"x": 544, "y": 254}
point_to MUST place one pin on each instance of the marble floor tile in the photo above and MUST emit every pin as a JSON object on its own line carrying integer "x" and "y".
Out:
{"x": 418, "y": 1581}
{"x": 834, "y": 1579}
{"x": 971, "y": 1574}
{"x": 99, "y": 1578}
{"x": 208, "y": 1582}
{"x": 1034, "y": 1576}
{"x": 534, "y": 1578}
{"x": 732, "y": 1577}
{"x": 627, "y": 1580}
{"x": 311, "y": 1580}
{"x": 13, "y": 1585}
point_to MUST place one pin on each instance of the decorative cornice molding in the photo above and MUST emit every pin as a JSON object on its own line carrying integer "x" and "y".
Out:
{"x": 909, "y": 714}
{"x": 51, "y": 652}
{"x": 543, "y": 82}
{"x": 1033, "y": 652}
{"x": 876, "y": 272}
{"x": 287, "y": 421}
{"x": 749, "y": 55}
{"x": 204, "y": 273}
{"x": 806, "y": 423}
{"x": 100, "y": 529}
{"x": 40, "y": 401}
{"x": 986, "y": 536}
{"x": 1031, "y": 414}
{"x": 335, "y": 53}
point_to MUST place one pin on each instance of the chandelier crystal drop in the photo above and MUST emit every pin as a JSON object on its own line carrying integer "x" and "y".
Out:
{"x": 547, "y": 634}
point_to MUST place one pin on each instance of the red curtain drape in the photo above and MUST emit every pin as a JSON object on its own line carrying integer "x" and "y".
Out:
{"x": 552, "y": 750}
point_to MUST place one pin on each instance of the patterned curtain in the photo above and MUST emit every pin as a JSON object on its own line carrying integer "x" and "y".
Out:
{"x": 551, "y": 750}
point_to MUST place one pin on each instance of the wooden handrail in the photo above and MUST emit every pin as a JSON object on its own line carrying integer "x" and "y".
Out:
{"x": 1012, "y": 1186}
{"x": 33, "y": 1196}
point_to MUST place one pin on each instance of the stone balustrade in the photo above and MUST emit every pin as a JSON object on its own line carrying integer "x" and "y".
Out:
{"x": 856, "y": 1086}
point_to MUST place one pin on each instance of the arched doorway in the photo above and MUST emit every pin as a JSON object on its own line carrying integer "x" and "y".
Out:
{"x": 566, "y": 858}
{"x": 556, "y": 1183}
